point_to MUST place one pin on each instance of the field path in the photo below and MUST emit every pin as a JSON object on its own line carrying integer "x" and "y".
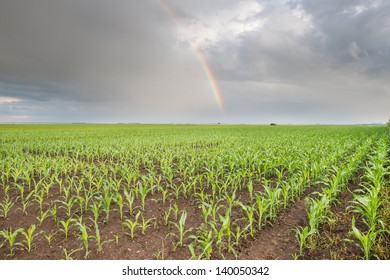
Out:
{"x": 277, "y": 242}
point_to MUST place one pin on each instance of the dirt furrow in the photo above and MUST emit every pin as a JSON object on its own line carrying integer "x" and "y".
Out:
{"x": 277, "y": 242}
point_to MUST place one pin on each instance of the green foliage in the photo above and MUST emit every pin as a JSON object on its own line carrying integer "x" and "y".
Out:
{"x": 10, "y": 236}
{"x": 237, "y": 178}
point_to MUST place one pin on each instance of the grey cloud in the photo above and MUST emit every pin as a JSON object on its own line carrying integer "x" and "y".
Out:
{"x": 341, "y": 29}
{"x": 79, "y": 43}
{"x": 118, "y": 61}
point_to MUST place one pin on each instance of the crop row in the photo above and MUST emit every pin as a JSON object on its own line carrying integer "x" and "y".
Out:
{"x": 69, "y": 184}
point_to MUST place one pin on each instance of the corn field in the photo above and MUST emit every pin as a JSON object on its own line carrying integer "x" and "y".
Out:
{"x": 88, "y": 191}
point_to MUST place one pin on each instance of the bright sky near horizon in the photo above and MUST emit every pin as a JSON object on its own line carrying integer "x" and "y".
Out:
{"x": 187, "y": 61}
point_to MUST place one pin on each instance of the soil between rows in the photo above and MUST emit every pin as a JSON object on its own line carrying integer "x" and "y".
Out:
{"x": 274, "y": 241}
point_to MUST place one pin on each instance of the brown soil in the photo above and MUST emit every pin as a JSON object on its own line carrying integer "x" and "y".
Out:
{"x": 157, "y": 243}
{"x": 331, "y": 242}
{"x": 277, "y": 241}
{"x": 335, "y": 241}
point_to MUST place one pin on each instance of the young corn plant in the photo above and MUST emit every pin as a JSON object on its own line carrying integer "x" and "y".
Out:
{"x": 132, "y": 225}
{"x": 68, "y": 256}
{"x": 180, "y": 225}
{"x": 164, "y": 192}
{"x": 129, "y": 195}
{"x": 250, "y": 213}
{"x": 250, "y": 190}
{"x": 318, "y": 211}
{"x": 286, "y": 193}
{"x": 368, "y": 205}
{"x": 225, "y": 230}
{"x": 80, "y": 201}
{"x": 98, "y": 239}
{"x": 11, "y": 236}
{"x": 167, "y": 215}
{"x": 107, "y": 199}
{"x": 6, "y": 206}
{"x": 175, "y": 210}
{"x": 68, "y": 205}
{"x": 88, "y": 196}
{"x": 204, "y": 243}
{"x": 273, "y": 195}
{"x": 230, "y": 199}
{"x": 214, "y": 208}
{"x": 262, "y": 205}
{"x": 66, "y": 226}
{"x": 145, "y": 224}
{"x": 143, "y": 191}
{"x": 237, "y": 234}
{"x": 26, "y": 202}
{"x": 302, "y": 234}
{"x": 43, "y": 215}
{"x": 49, "y": 236}
{"x": 30, "y": 235}
{"x": 219, "y": 238}
{"x": 206, "y": 211}
{"x": 53, "y": 212}
{"x": 39, "y": 197}
{"x": 84, "y": 237}
{"x": 119, "y": 202}
{"x": 366, "y": 240}
{"x": 95, "y": 209}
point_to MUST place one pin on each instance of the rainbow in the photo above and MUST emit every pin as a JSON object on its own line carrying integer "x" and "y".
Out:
{"x": 203, "y": 61}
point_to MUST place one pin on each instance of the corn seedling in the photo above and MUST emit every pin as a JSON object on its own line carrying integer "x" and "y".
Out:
{"x": 143, "y": 191}
{"x": 366, "y": 240}
{"x": 97, "y": 237}
{"x": 132, "y": 225}
{"x": 107, "y": 199}
{"x": 53, "y": 212}
{"x": 129, "y": 195}
{"x": 66, "y": 226}
{"x": 30, "y": 235}
{"x": 301, "y": 234}
{"x": 11, "y": 236}
{"x": 249, "y": 211}
{"x": 261, "y": 209}
{"x": 43, "y": 215}
{"x": 180, "y": 225}
{"x": 6, "y": 206}
{"x": 49, "y": 237}
{"x": 26, "y": 202}
{"x": 68, "y": 205}
{"x": 84, "y": 237}
{"x": 368, "y": 205}
{"x": 68, "y": 256}
{"x": 145, "y": 224}
{"x": 95, "y": 208}
{"x": 204, "y": 243}
{"x": 237, "y": 234}
{"x": 119, "y": 202}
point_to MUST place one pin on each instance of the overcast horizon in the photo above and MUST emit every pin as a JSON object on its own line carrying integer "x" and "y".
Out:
{"x": 182, "y": 61}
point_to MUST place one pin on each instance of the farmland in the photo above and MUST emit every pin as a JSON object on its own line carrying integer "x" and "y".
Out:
{"x": 194, "y": 192}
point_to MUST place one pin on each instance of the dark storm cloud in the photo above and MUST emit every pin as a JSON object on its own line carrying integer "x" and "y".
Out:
{"x": 289, "y": 61}
{"x": 319, "y": 56}
{"x": 340, "y": 33}
{"x": 78, "y": 44}
{"x": 352, "y": 32}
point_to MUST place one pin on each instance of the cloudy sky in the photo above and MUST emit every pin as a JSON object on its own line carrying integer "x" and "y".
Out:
{"x": 198, "y": 61}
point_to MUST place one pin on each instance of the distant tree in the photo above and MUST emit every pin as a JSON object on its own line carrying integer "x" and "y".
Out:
{"x": 273, "y": 123}
{"x": 388, "y": 123}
